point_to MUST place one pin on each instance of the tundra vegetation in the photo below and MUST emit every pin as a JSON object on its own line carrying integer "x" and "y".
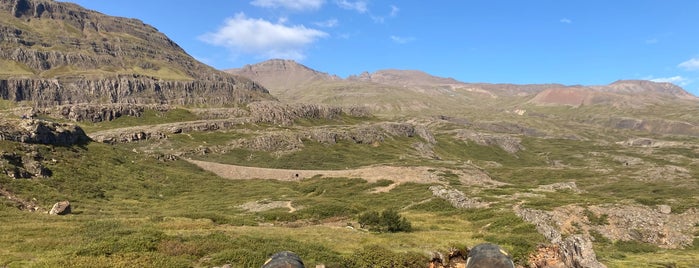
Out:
{"x": 131, "y": 208}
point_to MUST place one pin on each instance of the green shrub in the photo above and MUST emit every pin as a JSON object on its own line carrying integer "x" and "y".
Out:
{"x": 388, "y": 221}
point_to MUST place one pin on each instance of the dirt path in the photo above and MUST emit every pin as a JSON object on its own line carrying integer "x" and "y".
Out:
{"x": 372, "y": 174}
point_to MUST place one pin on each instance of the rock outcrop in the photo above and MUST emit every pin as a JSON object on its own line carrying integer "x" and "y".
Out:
{"x": 286, "y": 114}
{"x": 23, "y": 166}
{"x": 573, "y": 251}
{"x": 457, "y": 198}
{"x": 41, "y": 132}
{"x": 91, "y": 57}
{"x": 506, "y": 142}
{"x": 100, "y": 113}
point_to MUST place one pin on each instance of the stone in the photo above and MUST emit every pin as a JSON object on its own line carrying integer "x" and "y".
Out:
{"x": 664, "y": 209}
{"x": 61, "y": 208}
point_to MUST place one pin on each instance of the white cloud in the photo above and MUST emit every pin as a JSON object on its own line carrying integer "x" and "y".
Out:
{"x": 402, "y": 40}
{"x": 394, "y": 11}
{"x": 263, "y": 38}
{"x": 359, "y": 6}
{"x": 677, "y": 80}
{"x": 566, "y": 21}
{"x": 690, "y": 65}
{"x": 298, "y": 5}
{"x": 652, "y": 41}
{"x": 328, "y": 23}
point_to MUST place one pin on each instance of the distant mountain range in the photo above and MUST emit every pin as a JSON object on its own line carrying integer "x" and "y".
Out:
{"x": 412, "y": 90}
{"x": 54, "y": 53}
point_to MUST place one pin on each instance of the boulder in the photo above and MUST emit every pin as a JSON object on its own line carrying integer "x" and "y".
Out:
{"x": 60, "y": 208}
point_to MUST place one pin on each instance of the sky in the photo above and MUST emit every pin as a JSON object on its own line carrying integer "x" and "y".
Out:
{"x": 572, "y": 42}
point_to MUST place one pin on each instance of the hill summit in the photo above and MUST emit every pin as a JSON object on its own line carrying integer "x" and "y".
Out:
{"x": 54, "y": 53}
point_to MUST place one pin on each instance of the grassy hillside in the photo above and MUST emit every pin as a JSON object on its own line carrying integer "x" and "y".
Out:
{"x": 130, "y": 209}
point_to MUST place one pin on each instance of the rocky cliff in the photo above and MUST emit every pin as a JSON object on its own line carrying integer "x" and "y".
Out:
{"x": 54, "y": 53}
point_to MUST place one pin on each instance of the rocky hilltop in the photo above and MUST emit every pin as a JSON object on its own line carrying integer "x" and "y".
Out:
{"x": 282, "y": 75}
{"x": 54, "y": 53}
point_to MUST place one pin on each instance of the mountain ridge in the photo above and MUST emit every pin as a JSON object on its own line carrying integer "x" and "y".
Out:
{"x": 50, "y": 51}
{"x": 295, "y": 82}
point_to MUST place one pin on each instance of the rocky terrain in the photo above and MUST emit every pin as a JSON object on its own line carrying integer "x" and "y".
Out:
{"x": 114, "y": 121}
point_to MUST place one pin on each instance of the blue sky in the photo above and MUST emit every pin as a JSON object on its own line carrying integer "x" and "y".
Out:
{"x": 588, "y": 42}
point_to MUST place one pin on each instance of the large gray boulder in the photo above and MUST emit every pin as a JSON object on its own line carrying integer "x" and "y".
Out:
{"x": 60, "y": 208}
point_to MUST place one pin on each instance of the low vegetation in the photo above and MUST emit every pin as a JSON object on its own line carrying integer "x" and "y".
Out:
{"x": 132, "y": 209}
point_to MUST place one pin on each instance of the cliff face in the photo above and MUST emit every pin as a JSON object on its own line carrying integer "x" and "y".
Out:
{"x": 54, "y": 53}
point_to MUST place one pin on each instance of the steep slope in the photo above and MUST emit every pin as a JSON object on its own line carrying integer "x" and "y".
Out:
{"x": 54, "y": 53}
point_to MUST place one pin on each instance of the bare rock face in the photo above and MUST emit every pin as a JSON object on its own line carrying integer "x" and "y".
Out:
{"x": 577, "y": 252}
{"x": 457, "y": 198}
{"x": 277, "y": 113}
{"x": 574, "y": 251}
{"x": 42, "y": 132}
{"x": 100, "y": 112}
{"x": 60, "y": 208}
{"x": 98, "y": 58}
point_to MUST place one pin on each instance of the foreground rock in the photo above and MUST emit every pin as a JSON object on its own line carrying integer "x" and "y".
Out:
{"x": 60, "y": 208}
{"x": 574, "y": 251}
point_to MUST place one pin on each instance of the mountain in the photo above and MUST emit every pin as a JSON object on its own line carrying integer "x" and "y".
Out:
{"x": 54, "y": 53}
{"x": 281, "y": 74}
{"x": 629, "y": 92}
{"x": 416, "y": 92}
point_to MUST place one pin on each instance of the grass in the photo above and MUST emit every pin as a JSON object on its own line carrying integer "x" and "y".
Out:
{"x": 316, "y": 155}
{"x": 131, "y": 209}
{"x": 13, "y": 68}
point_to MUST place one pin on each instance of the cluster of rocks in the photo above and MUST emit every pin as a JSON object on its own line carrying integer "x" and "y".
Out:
{"x": 23, "y": 166}
{"x": 291, "y": 141}
{"x": 162, "y": 131}
{"x": 102, "y": 112}
{"x": 19, "y": 203}
{"x": 560, "y": 186}
{"x": 286, "y": 114}
{"x": 658, "y": 226}
{"x": 457, "y": 198}
{"x": 506, "y": 142}
{"x": 572, "y": 251}
{"x": 568, "y": 229}
{"x": 42, "y": 132}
